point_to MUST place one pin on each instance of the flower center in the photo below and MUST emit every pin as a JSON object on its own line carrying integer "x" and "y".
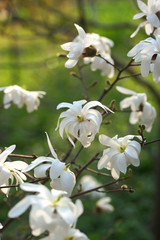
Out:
{"x": 80, "y": 118}
{"x": 122, "y": 149}
{"x": 70, "y": 238}
{"x": 66, "y": 167}
{"x": 54, "y": 203}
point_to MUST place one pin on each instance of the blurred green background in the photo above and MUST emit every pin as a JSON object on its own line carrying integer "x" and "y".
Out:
{"x": 31, "y": 32}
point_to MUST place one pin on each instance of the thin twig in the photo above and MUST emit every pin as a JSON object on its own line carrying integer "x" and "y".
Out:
{"x": 106, "y": 90}
{"x": 87, "y": 164}
{"x": 23, "y": 156}
{"x": 83, "y": 83}
{"x": 96, "y": 188}
{"x": 98, "y": 173}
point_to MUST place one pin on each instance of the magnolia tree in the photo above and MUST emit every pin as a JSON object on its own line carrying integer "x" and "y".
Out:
{"x": 55, "y": 209}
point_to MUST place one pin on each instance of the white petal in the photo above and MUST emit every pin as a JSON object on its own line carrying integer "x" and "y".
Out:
{"x": 36, "y": 162}
{"x": 19, "y": 165}
{"x": 56, "y": 169}
{"x": 68, "y": 181}
{"x": 138, "y": 15}
{"x": 149, "y": 28}
{"x": 107, "y": 141}
{"x": 6, "y": 152}
{"x": 66, "y": 46}
{"x": 30, "y": 187}
{"x": 40, "y": 171}
{"x": 71, "y": 63}
{"x": 4, "y": 175}
{"x": 145, "y": 67}
{"x": 137, "y": 30}
{"x": 142, "y": 6}
{"x": 94, "y": 104}
{"x": 125, "y": 91}
{"x": 156, "y": 70}
{"x": 136, "y": 146}
{"x": 107, "y": 156}
{"x": 125, "y": 103}
{"x": 134, "y": 117}
{"x": 66, "y": 214}
{"x": 121, "y": 161}
{"x": 64, "y": 105}
{"x": 130, "y": 152}
{"x": 80, "y": 30}
{"x": 115, "y": 171}
{"x": 51, "y": 147}
{"x": 154, "y": 20}
{"x": 22, "y": 206}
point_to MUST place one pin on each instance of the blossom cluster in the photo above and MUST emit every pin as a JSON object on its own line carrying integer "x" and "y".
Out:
{"x": 93, "y": 49}
{"x": 53, "y": 210}
{"x": 148, "y": 51}
{"x": 20, "y": 96}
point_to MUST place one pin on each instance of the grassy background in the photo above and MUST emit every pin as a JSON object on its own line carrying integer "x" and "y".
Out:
{"x": 29, "y": 42}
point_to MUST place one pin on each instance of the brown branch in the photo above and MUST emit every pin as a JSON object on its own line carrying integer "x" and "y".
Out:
{"x": 106, "y": 90}
{"x": 70, "y": 148}
{"x": 87, "y": 164}
{"x": 83, "y": 83}
{"x": 96, "y": 188}
{"x": 98, "y": 173}
{"x": 23, "y": 156}
{"x": 153, "y": 141}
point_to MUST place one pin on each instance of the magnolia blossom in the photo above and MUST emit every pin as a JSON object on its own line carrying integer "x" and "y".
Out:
{"x": 99, "y": 63}
{"x": 77, "y": 48}
{"x": 88, "y": 182}
{"x": 120, "y": 153}
{"x": 81, "y": 123}
{"x": 62, "y": 178}
{"x": 148, "y": 53}
{"x": 151, "y": 12}
{"x": 9, "y": 170}
{"x": 62, "y": 232}
{"x": 102, "y": 46}
{"x": 20, "y": 96}
{"x": 142, "y": 111}
{"x": 49, "y": 208}
{"x": 103, "y": 205}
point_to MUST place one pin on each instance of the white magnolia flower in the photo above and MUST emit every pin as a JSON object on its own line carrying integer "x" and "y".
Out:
{"x": 62, "y": 178}
{"x": 99, "y": 63}
{"x": 62, "y": 232}
{"x": 9, "y": 170}
{"x": 20, "y": 96}
{"x": 151, "y": 12}
{"x": 102, "y": 45}
{"x": 81, "y": 123}
{"x": 142, "y": 111}
{"x": 49, "y": 208}
{"x": 77, "y": 48}
{"x": 103, "y": 205}
{"x": 148, "y": 53}
{"x": 88, "y": 182}
{"x": 120, "y": 153}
